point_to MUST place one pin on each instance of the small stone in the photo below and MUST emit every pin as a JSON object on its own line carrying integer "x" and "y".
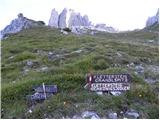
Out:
{"x": 132, "y": 114}
{"x": 99, "y": 93}
{"x": 119, "y": 55}
{"x": 116, "y": 93}
{"x": 14, "y": 82}
{"x": 88, "y": 114}
{"x": 43, "y": 69}
{"x": 76, "y": 106}
{"x": 78, "y": 51}
{"x": 112, "y": 115}
{"x": 150, "y": 81}
{"x": 139, "y": 69}
{"x": 29, "y": 63}
{"x": 30, "y": 111}
{"x": 67, "y": 117}
{"x": 49, "y": 107}
{"x": 65, "y": 33}
{"x": 94, "y": 117}
{"x": 26, "y": 70}
{"x": 50, "y": 53}
{"x": 150, "y": 41}
{"x": 121, "y": 112}
{"x": 11, "y": 57}
{"x": 76, "y": 117}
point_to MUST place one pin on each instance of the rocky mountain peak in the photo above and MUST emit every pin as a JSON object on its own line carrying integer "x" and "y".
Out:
{"x": 19, "y": 24}
{"x": 53, "y": 21}
{"x": 68, "y": 18}
{"x": 151, "y": 20}
{"x": 20, "y": 15}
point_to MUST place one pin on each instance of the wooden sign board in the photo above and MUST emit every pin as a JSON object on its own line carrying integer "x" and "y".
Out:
{"x": 38, "y": 96}
{"x": 42, "y": 92}
{"x": 48, "y": 88}
{"x": 109, "y": 82}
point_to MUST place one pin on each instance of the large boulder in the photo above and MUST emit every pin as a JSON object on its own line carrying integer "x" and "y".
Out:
{"x": 153, "y": 19}
{"x": 53, "y": 21}
{"x": 19, "y": 24}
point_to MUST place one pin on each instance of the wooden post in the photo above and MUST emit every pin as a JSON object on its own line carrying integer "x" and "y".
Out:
{"x": 90, "y": 81}
{"x": 44, "y": 91}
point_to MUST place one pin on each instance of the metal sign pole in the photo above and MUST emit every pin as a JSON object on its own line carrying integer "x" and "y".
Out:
{"x": 44, "y": 91}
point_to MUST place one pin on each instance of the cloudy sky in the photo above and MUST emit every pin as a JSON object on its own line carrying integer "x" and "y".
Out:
{"x": 121, "y": 14}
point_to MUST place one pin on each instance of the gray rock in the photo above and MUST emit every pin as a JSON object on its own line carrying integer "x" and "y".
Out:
{"x": 132, "y": 114}
{"x": 53, "y": 21}
{"x": 13, "y": 81}
{"x": 11, "y": 57}
{"x": 78, "y": 51}
{"x": 76, "y": 117}
{"x": 112, "y": 115}
{"x": 150, "y": 41}
{"x": 89, "y": 114}
{"x": 153, "y": 19}
{"x": 29, "y": 63}
{"x": 139, "y": 69}
{"x": 99, "y": 93}
{"x": 44, "y": 69}
{"x": 19, "y": 24}
{"x": 64, "y": 32}
{"x": 116, "y": 93}
{"x": 119, "y": 54}
{"x": 150, "y": 81}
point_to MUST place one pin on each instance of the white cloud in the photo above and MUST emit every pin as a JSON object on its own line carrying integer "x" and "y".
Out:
{"x": 122, "y": 14}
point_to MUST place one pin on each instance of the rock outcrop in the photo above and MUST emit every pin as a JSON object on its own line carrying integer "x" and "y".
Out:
{"x": 103, "y": 27}
{"x": 68, "y": 18}
{"x": 62, "y": 19}
{"x": 153, "y": 19}
{"x": 19, "y": 24}
{"x": 53, "y": 21}
{"x": 77, "y": 23}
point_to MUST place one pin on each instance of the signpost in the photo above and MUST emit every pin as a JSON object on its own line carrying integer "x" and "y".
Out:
{"x": 42, "y": 92}
{"x": 109, "y": 82}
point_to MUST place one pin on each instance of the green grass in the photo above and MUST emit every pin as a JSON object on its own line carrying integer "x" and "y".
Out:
{"x": 99, "y": 54}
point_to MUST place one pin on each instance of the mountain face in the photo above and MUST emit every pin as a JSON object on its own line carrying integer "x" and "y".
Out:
{"x": 153, "y": 19}
{"x": 19, "y": 24}
{"x": 67, "y": 18}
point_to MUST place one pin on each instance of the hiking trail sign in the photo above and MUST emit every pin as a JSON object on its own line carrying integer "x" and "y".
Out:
{"x": 42, "y": 92}
{"x": 109, "y": 82}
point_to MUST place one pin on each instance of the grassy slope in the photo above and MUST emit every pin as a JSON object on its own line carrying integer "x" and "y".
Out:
{"x": 99, "y": 55}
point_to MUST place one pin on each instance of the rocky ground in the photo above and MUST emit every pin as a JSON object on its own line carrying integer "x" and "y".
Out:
{"x": 42, "y": 54}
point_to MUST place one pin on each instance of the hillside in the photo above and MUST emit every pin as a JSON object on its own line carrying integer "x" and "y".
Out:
{"x": 154, "y": 27}
{"x": 42, "y": 54}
